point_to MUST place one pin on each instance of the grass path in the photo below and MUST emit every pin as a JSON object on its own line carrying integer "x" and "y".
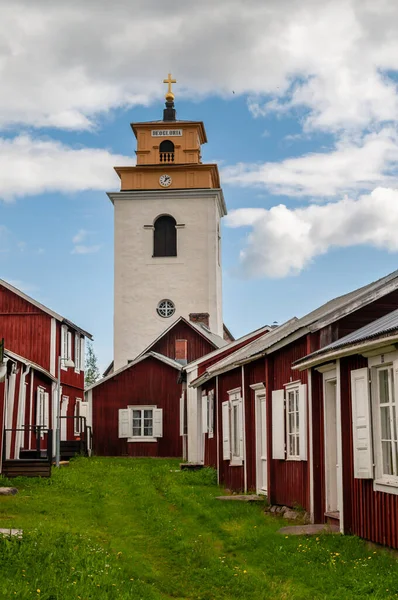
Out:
{"x": 140, "y": 529}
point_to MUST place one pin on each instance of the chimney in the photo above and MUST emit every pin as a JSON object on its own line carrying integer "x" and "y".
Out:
{"x": 181, "y": 351}
{"x": 200, "y": 318}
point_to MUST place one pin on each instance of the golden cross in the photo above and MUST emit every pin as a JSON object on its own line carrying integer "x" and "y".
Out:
{"x": 169, "y": 81}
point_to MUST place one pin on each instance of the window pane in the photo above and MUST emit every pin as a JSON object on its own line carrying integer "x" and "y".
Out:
{"x": 385, "y": 423}
{"x": 383, "y": 386}
{"x": 136, "y": 414}
{"x": 297, "y": 420}
{"x": 394, "y": 420}
{"x": 291, "y": 423}
{"x": 387, "y": 458}
{"x": 148, "y": 414}
{"x": 297, "y": 445}
{"x": 291, "y": 445}
{"x": 291, "y": 401}
{"x": 235, "y": 427}
{"x": 148, "y": 430}
{"x": 136, "y": 431}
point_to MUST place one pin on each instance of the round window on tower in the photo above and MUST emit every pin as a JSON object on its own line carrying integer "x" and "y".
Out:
{"x": 166, "y": 309}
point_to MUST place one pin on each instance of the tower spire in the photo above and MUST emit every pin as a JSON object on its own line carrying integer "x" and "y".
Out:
{"x": 169, "y": 113}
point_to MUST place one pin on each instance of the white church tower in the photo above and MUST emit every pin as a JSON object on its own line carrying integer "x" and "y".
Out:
{"x": 167, "y": 235}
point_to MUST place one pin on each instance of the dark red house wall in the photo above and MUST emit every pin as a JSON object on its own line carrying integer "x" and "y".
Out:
{"x": 254, "y": 373}
{"x": 211, "y": 443}
{"x": 231, "y": 477}
{"x": 147, "y": 382}
{"x": 198, "y": 345}
{"x": 369, "y": 514}
{"x": 289, "y": 479}
{"x": 26, "y": 332}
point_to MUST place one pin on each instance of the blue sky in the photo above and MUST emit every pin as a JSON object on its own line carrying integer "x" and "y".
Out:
{"x": 300, "y": 116}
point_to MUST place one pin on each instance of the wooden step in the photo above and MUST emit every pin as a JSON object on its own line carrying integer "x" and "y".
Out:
{"x": 26, "y": 468}
{"x": 332, "y": 517}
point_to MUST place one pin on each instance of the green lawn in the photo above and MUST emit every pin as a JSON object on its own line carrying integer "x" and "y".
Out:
{"x": 125, "y": 528}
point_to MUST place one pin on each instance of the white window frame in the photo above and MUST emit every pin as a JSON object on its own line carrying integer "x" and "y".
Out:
{"x": 383, "y": 482}
{"x": 42, "y": 409}
{"x": 293, "y": 388}
{"x": 64, "y": 346}
{"x": 76, "y": 420}
{"x": 77, "y": 353}
{"x": 142, "y": 438}
{"x": 236, "y": 428}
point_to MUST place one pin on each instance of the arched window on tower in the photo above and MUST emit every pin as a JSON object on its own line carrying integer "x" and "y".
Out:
{"x": 166, "y": 150}
{"x": 165, "y": 237}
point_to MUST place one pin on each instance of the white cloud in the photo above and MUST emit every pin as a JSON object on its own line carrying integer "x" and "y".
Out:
{"x": 34, "y": 166}
{"x": 283, "y": 242}
{"x": 353, "y": 165}
{"x": 85, "y": 249}
{"x": 62, "y": 63}
{"x": 80, "y": 236}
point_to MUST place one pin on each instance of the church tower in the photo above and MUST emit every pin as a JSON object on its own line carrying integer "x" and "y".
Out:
{"x": 167, "y": 234}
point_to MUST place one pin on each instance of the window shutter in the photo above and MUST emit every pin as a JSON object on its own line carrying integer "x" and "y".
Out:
{"x": 39, "y": 408}
{"x": 157, "y": 422}
{"x": 182, "y": 414}
{"x": 125, "y": 425}
{"x": 211, "y": 413}
{"x": 77, "y": 353}
{"x": 64, "y": 342}
{"x": 361, "y": 425}
{"x": 84, "y": 412}
{"x": 240, "y": 425}
{"x": 69, "y": 350}
{"x": 204, "y": 414}
{"x": 303, "y": 421}
{"x": 226, "y": 443}
{"x": 76, "y": 420}
{"x": 278, "y": 424}
{"x": 46, "y": 407}
{"x": 82, "y": 355}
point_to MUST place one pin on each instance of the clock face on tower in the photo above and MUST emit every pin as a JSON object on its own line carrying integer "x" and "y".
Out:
{"x": 165, "y": 180}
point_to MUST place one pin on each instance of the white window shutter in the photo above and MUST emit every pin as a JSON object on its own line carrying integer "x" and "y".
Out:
{"x": 125, "y": 424}
{"x": 226, "y": 441}
{"x": 46, "y": 408}
{"x": 77, "y": 353}
{"x": 361, "y": 424}
{"x": 69, "y": 350}
{"x": 182, "y": 414}
{"x": 211, "y": 414}
{"x": 76, "y": 420}
{"x": 157, "y": 422}
{"x": 303, "y": 421}
{"x": 204, "y": 414}
{"x": 240, "y": 425}
{"x": 82, "y": 354}
{"x": 64, "y": 342}
{"x": 39, "y": 408}
{"x": 278, "y": 424}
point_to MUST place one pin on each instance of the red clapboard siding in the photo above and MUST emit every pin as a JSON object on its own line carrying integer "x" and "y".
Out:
{"x": 211, "y": 443}
{"x": 198, "y": 345}
{"x": 147, "y": 382}
{"x": 368, "y": 514}
{"x": 289, "y": 479}
{"x": 231, "y": 477}
{"x": 28, "y": 335}
{"x": 254, "y": 373}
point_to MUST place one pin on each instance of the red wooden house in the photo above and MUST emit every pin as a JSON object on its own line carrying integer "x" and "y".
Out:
{"x": 355, "y": 393}
{"x": 37, "y": 341}
{"x": 138, "y": 410}
{"x": 265, "y": 434}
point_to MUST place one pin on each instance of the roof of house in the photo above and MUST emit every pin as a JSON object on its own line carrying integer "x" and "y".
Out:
{"x": 381, "y": 328}
{"x": 45, "y": 309}
{"x": 295, "y": 328}
{"x": 165, "y": 359}
{"x": 29, "y": 363}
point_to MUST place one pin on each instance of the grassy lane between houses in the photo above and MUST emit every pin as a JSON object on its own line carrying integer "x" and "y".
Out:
{"x": 106, "y": 528}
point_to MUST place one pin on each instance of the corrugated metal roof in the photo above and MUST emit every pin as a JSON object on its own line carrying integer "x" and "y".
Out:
{"x": 386, "y": 324}
{"x": 329, "y": 312}
{"x": 215, "y": 339}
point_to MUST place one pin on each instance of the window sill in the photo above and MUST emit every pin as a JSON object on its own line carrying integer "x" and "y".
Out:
{"x": 293, "y": 458}
{"x": 142, "y": 439}
{"x": 236, "y": 462}
{"x": 386, "y": 485}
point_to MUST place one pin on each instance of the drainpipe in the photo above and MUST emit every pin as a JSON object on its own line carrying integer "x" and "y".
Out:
{"x": 244, "y": 430}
